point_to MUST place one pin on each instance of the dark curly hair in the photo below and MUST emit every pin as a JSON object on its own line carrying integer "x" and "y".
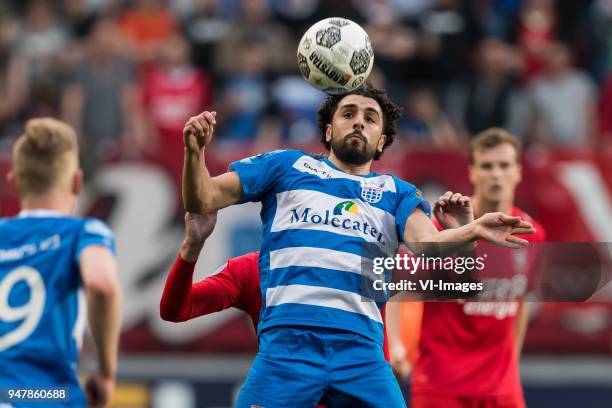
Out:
{"x": 391, "y": 112}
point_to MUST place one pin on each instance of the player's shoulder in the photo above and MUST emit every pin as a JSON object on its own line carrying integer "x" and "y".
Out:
{"x": 280, "y": 155}
{"x": 247, "y": 264}
{"x": 403, "y": 187}
{"x": 540, "y": 234}
{"x": 94, "y": 226}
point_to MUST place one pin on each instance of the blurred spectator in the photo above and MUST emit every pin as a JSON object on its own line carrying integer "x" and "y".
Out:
{"x": 81, "y": 14}
{"x": 102, "y": 99}
{"x": 563, "y": 102}
{"x": 43, "y": 44}
{"x": 605, "y": 113}
{"x": 394, "y": 47}
{"x": 205, "y": 29}
{"x": 424, "y": 123}
{"x": 296, "y": 104}
{"x": 448, "y": 32}
{"x": 537, "y": 29}
{"x": 173, "y": 91}
{"x": 489, "y": 97}
{"x": 42, "y": 39}
{"x": 497, "y": 18}
{"x": 146, "y": 26}
{"x": 14, "y": 80}
{"x": 297, "y": 15}
{"x": 599, "y": 26}
{"x": 246, "y": 95}
{"x": 255, "y": 23}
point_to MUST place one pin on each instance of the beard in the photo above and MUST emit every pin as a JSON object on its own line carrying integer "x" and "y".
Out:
{"x": 352, "y": 151}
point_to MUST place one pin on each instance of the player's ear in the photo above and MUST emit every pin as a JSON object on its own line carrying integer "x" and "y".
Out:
{"x": 381, "y": 143}
{"x": 519, "y": 169}
{"x": 77, "y": 182}
{"x": 328, "y": 132}
{"x": 471, "y": 174}
{"x": 11, "y": 181}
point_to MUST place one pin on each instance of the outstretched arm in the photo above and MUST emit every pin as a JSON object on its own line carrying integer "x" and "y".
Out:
{"x": 422, "y": 237}
{"x": 201, "y": 192}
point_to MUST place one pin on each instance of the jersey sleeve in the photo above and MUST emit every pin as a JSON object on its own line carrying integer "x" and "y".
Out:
{"x": 259, "y": 174}
{"x": 409, "y": 199}
{"x": 94, "y": 232}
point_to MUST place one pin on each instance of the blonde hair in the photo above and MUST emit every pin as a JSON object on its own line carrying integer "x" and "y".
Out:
{"x": 44, "y": 156}
{"x": 493, "y": 137}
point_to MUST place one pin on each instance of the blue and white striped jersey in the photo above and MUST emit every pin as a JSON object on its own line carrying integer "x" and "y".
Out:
{"x": 42, "y": 310}
{"x": 316, "y": 220}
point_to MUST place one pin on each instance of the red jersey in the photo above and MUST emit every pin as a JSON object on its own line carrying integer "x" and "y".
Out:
{"x": 468, "y": 348}
{"x": 171, "y": 95}
{"x": 236, "y": 284}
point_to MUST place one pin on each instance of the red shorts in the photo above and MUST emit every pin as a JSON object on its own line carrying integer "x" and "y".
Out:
{"x": 437, "y": 401}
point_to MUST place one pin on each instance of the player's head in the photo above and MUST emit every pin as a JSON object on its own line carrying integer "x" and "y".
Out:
{"x": 45, "y": 161}
{"x": 495, "y": 168}
{"x": 358, "y": 126}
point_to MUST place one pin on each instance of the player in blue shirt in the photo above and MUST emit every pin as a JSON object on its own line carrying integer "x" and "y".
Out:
{"x": 320, "y": 332}
{"x": 51, "y": 263}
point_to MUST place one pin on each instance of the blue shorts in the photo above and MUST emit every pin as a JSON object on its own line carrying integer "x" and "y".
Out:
{"x": 299, "y": 366}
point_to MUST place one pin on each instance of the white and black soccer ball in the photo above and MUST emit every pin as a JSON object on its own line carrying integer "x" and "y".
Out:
{"x": 335, "y": 55}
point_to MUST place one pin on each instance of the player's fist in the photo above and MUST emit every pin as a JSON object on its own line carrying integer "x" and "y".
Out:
{"x": 453, "y": 210}
{"x": 198, "y": 130}
{"x": 99, "y": 389}
{"x": 503, "y": 229}
{"x": 198, "y": 228}
{"x": 399, "y": 364}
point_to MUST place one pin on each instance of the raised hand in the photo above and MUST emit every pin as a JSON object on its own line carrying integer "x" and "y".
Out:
{"x": 198, "y": 130}
{"x": 198, "y": 228}
{"x": 453, "y": 210}
{"x": 503, "y": 229}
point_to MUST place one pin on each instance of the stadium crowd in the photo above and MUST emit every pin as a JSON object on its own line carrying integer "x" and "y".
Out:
{"x": 127, "y": 73}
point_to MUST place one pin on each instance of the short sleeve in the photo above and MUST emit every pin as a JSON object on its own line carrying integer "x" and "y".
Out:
{"x": 409, "y": 199}
{"x": 94, "y": 232}
{"x": 259, "y": 174}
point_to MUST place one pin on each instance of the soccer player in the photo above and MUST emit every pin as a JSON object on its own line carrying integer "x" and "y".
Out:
{"x": 469, "y": 351}
{"x": 317, "y": 335}
{"x": 48, "y": 258}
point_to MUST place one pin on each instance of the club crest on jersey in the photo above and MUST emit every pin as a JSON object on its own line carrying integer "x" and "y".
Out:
{"x": 372, "y": 191}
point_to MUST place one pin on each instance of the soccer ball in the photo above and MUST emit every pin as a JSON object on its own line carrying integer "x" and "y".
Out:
{"x": 335, "y": 55}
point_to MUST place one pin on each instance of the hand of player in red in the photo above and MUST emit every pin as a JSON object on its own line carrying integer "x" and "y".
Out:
{"x": 453, "y": 210}
{"x": 502, "y": 229}
{"x": 198, "y": 130}
{"x": 99, "y": 389}
{"x": 198, "y": 228}
{"x": 400, "y": 366}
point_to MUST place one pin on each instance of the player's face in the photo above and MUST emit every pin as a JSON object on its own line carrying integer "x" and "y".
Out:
{"x": 495, "y": 173}
{"x": 356, "y": 130}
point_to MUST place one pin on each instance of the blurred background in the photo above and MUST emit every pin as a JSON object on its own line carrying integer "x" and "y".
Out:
{"x": 128, "y": 73}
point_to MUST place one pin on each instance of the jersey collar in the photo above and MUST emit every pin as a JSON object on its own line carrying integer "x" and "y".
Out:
{"x": 333, "y": 166}
{"x": 39, "y": 213}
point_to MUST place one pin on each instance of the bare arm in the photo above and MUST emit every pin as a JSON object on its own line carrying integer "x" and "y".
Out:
{"x": 134, "y": 134}
{"x": 397, "y": 351}
{"x": 99, "y": 275}
{"x": 201, "y": 192}
{"x": 422, "y": 237}
{"x": 72, "y": 107}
